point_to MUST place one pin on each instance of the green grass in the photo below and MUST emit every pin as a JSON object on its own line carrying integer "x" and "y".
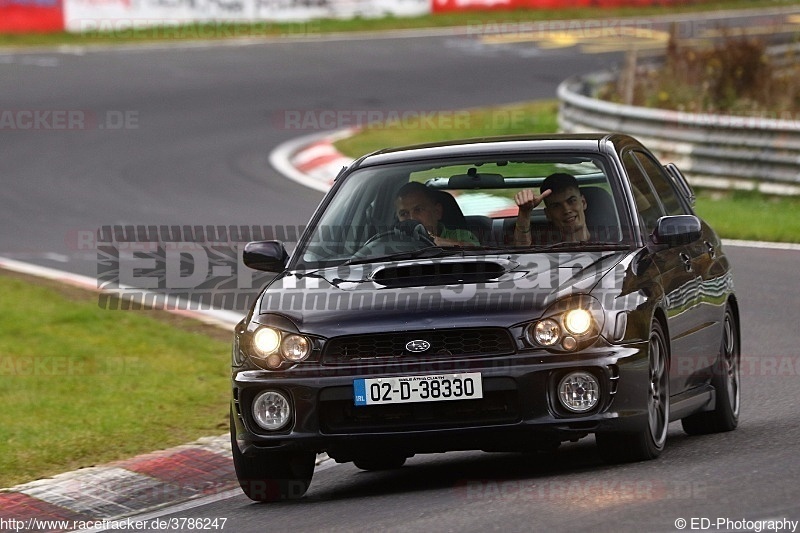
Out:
{"x": 491, "y": 20}
{"x": 524, "y": 118}
{"x": 81, "y": 385}
{"x": 734, "y": 215}
{"x": 751, "y": 215}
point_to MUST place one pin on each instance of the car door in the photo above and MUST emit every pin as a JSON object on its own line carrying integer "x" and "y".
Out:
{"x": 679, "y": 278}
{"x": 712, "y": 267}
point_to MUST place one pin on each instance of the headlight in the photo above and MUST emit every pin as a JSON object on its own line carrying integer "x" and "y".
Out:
{"x": 578, "y": 321}
{"x": 274, "y": 348}
{"x": 569, "y": 324}
{"x": 266, "y": 341}
{"x": 545, "y": 332}
{"x": 295, "y": 348}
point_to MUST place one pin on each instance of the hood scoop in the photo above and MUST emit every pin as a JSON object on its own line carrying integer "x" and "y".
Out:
{"x": 438, "y": 273}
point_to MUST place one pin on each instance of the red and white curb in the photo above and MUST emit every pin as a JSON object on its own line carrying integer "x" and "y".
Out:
{"x": 312, "y": 160}
{"x": 125, "y": 487}
{"x": 122, "y": 488}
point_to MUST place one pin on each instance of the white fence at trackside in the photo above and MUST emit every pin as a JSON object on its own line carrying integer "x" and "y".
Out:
{"x": 166, "y": 16}
{"x": 719, "y": 151}
{"x": 120, "y": 16}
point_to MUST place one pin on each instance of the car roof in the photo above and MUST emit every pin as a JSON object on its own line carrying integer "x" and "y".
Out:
{"x": 586, "y": 142}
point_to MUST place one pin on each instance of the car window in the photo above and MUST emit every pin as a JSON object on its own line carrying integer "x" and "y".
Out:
{"x": 474, "y": 201}
{"x": 647, "y": 204}
{"x": 662, "y": 184}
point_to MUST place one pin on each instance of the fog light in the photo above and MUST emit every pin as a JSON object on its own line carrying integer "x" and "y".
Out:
{"x": 579, "y": 392}
{"x": 295, "y": 348}
{"x": 545, "y": 332}
{"x": 271, "y": 410}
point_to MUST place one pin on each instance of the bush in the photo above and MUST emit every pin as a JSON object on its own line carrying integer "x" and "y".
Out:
{"x": 734, "y": 76}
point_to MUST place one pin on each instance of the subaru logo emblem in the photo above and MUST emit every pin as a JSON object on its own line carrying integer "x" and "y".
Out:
{"x": 418, "y": 346}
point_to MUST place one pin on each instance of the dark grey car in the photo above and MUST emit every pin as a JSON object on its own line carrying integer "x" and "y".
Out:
{"x": 373, "y": 343}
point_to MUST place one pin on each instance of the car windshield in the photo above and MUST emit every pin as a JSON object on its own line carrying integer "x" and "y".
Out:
{"x": 434, "y": 208}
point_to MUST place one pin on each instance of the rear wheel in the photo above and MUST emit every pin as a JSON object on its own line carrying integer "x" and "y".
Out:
{"x": 649, "y": 442}
{"x": 725, "y": 416}
{"x": 267, "y": 476}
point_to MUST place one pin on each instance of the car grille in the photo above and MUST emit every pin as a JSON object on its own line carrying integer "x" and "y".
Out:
{"x": 341, "y": 416}
{"x": 455, "y": 342}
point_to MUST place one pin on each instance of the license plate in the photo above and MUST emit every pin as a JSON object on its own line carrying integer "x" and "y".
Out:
{"x": 410, "y": 389}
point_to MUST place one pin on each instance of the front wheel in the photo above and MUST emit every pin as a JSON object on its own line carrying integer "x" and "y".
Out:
{"x": 267, "y": 476}
{"x": 649, "y": 442}
{"x": 725, "y": 416}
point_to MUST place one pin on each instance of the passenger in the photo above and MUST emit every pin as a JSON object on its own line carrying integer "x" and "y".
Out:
{"x": 565, "y": 209}
{"x": 417, "y": 202}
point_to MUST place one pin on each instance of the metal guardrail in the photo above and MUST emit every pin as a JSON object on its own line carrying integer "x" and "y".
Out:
{"x": 712, "y": 150}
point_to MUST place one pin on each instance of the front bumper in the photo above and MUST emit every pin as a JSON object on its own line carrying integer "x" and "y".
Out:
{"x": 519, "y": 410}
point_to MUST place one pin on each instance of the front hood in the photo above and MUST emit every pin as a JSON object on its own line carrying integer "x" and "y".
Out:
{"x": 450, "y": 292}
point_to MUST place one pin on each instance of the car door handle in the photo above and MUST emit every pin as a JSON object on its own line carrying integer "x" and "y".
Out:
{"x": 712, "y": 252}
{"x": 687, "y": 261}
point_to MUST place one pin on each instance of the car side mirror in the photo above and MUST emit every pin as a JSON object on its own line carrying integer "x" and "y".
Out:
{"x": 677, "y": 230}
{"x": 269, "y": 256}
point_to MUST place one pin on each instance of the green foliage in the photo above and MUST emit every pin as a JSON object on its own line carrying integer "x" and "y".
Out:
{"x": 733, "y": 75}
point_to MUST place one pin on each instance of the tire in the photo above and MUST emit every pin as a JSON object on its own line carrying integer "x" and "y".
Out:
{"x": 269, "y": 476}
{"x": 648, "y": 443}
{"x": 726, "y": 381}
{"x": 380, "y": 462}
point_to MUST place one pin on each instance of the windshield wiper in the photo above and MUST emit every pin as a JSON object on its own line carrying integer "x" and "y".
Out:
{"x": 424, "y": 253}
{"x": 579, "y": 246}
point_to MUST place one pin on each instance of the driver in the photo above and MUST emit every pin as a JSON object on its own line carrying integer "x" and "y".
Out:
{"x": 415, "y": 201}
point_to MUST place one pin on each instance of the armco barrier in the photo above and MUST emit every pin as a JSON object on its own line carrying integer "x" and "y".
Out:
{"x": 713, "y": 150}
